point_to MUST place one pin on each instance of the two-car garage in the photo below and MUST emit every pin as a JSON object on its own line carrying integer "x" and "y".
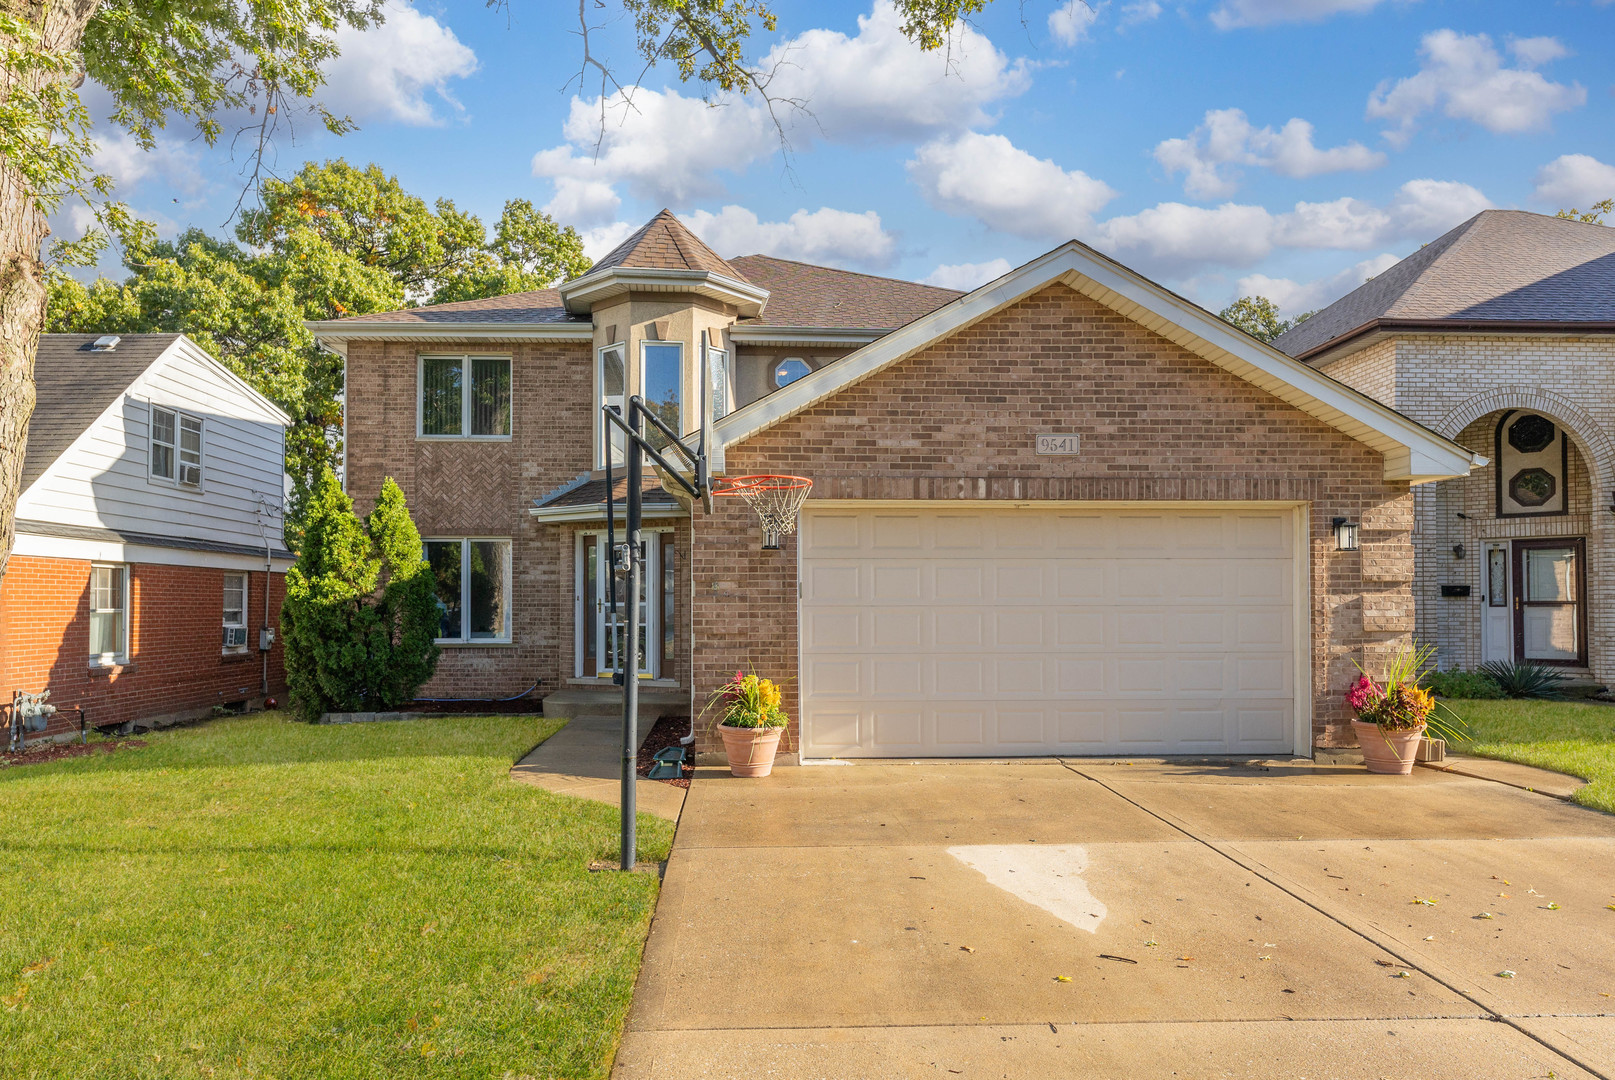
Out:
{"x": 949, "y": 630}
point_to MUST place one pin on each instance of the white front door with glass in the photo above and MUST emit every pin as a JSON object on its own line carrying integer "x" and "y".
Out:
{"x": 601, "y": 640}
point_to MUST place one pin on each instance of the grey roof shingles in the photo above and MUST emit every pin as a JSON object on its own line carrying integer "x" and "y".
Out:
{"x": 538, "y": 306}
{"x": 665, "y": 243}
{"x": 75, "y": 385}
{"x": 1501, "y": 266}
{"x": 801, "y": 294}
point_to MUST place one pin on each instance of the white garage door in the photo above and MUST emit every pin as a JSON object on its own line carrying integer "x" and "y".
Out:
{"x": 947, "y": 632}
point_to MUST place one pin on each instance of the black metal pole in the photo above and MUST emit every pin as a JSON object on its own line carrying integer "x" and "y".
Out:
{"x": 630, "y": 649}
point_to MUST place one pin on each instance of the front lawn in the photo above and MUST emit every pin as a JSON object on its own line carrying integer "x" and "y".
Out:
{"x": 1568, "y": 737}
{"x": 261, "y": 898}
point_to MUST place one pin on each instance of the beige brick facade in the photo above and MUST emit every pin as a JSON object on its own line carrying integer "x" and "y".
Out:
{"x": 957, "y": 420}
{"x": 1460, "y": 385}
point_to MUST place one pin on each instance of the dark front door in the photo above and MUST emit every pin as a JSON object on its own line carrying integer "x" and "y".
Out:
{"x": 1550, "y": 616}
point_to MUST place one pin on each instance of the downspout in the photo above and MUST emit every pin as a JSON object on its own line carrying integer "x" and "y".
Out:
{"x": 705, "y": 368}
{"x": 264, "y": 513}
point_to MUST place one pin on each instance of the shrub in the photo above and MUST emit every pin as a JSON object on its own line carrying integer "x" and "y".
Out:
{"x": 350, "y": 646}
{"x": 1523, "y": 679}
{"x": 1458, "y": 683}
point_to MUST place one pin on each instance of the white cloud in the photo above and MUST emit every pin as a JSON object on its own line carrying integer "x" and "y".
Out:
{"x": 1234, "y": 13}
{"x": 1140, "y": 12}
{"x": 825, "y": 236}
{"x": 1536, "y": 51}
{"x": 1574, "y": 180}
{"x": 583, "y": 202}
{"x": 1294, "y": 297}
{"x": 879, "y": 84}
{"x": 1463, "y": 77}
{"x": 1174, "y": 239}
{"x": 661, "y": 144}
{"x": 119, "y": 156}
{"x": 389, "y": 70}
{"x": 989, "y": 178}
{"x": 968, "y": 276}
{"x": 1226, "y": 139}
{"x": 1071, "y": 21}
{"x": 599, "y": 241}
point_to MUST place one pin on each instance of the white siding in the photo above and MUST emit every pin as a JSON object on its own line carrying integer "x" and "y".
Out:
{"x": 102, "y": 480}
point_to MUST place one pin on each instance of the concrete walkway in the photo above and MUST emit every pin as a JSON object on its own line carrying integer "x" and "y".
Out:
{"x": 584, "y": 759}
{"x": 1093, "y": 919}
{"x": 1525, "y": 777}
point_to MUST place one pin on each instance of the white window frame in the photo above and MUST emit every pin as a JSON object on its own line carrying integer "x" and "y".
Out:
{"x": 644, "y": 367}
{"x": 465, "y": 640}
{"x": 602, "y": 430}
{"x": 721, "y": 385}
{"x": 246, "y": 590}
{"x": 176, "y": 451}
{"x": 781, "y": 362}
{"x": 121, "y": 657}
{"x": 465, "y": 396}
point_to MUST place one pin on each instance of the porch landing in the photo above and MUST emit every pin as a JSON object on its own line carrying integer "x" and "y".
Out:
{"x": 655, "y": 702}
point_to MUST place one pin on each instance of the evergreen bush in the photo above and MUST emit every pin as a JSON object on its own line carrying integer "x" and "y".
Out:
{"x": 360, "y": 615}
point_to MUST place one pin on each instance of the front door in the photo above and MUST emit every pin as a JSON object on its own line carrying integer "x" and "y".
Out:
{"x": 603, "y": 642}
{"x": 1550, "y": 621}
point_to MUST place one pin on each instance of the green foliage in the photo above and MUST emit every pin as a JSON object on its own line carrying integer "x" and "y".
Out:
{"x": 1593, "y": 215}
{"x": 1523, "y": 679}
{"x": 1569, "y": 737}
{"x": 407, "y": 610}
{"x": 350, "y": 647}
{"x": 1458, "y": 683}
{"x": 1259, "y": 317}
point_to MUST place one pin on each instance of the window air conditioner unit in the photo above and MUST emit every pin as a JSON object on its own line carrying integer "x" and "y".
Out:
{"x": 191, "y": 475}
{"x": 235, "y": 637}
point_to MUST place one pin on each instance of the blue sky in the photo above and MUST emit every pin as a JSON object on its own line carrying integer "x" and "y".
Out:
{"x": 1285, "y": 147}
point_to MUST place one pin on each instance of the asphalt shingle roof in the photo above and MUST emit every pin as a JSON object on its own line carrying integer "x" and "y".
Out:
{"x": 801, "y": 294}
{"x": 538, "y": 306}
{"x": 75, "y": 385}
{"x": 1502, "y": 266}
{"x": 594, "y": 493}
{"x": 664, "y": 243}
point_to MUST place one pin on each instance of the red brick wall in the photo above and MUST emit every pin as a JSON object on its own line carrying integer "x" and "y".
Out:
{"x": 957, "y": 420}
{"x": 175, "y": 658}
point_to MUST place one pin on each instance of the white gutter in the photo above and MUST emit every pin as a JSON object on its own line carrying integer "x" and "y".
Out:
{"x": 597, "y": 512}
{"x": 805, "y": 335}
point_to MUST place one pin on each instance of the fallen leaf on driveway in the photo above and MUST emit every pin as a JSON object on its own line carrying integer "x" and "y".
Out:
{"x": 1151, "y": 943}
{"x": 1121, "y": 959}
{"x": 1422, "y": 900}
{"x": 966, "y": 948}
{"x": 1485, "y": 915}
{"x": 1553, "y": 907}
{"x": 1505, "y": 974}
{"x": 1062, "y": 978}
{"x": 1403, "y": 975}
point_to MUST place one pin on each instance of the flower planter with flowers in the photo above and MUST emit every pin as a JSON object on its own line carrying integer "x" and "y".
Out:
{"x": 1391, "y": 718}
{"x": 751, "y": 724}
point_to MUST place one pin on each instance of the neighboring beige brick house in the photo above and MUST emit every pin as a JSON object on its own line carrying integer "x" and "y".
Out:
{"x": 1500, "y": 335}
{"x": 1163, "y": 578}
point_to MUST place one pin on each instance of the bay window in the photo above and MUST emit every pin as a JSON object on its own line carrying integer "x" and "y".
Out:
{"x": 661, "y": 378}
{"x": 613, "y": 375}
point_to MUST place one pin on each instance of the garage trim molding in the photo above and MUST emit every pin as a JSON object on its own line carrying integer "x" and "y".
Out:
{"x": 1301, "y": 568}
{"x": 1413, "y": 453}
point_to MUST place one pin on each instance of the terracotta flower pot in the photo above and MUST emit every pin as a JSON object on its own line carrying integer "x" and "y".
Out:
{"x": 1390, "y": 752}
{"x": 750, "y": 750}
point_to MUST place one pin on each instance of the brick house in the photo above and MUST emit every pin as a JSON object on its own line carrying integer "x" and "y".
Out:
{"x": 148, "y": 531}
{"x": 1500, "y": 335}
{"x": 1067, "y": 512}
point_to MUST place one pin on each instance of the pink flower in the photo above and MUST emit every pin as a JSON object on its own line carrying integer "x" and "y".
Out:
{"x": 1363, "y": 693}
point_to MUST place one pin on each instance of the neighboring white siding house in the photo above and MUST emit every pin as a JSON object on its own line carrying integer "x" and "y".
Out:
{"x": 184, "y": 452}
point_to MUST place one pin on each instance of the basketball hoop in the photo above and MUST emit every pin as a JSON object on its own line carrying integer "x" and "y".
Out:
{"x": 776, "y": 499}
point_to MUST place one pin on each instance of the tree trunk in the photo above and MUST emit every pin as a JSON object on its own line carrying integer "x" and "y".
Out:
{"x": 23, "y": 229}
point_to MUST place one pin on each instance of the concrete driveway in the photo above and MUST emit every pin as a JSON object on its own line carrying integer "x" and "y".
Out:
{"x": 1131, "y": 920}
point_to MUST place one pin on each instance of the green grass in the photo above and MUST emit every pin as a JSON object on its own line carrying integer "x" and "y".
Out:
{"x": 1566, "y": 736}
{"x": 260, "y": 898}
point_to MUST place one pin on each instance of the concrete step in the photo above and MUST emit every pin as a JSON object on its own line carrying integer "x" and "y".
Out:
{"x": 655, "y": 702}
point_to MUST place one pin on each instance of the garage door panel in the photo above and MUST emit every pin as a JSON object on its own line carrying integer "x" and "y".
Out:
{"x": 942, "y": 632}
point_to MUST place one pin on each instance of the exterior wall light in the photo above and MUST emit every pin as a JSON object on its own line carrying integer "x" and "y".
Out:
{"x": 1345, "y": 535}
{"x": 1458, "y": 551}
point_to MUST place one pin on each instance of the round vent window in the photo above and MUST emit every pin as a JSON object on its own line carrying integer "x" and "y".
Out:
{"x": 790, "y": 369}
{"x": 1531, "y": 434}
{"x": 1532, "y": 487}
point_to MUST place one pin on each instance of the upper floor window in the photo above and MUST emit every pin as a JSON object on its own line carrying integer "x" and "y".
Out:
{"x": 465, "y": 397}
{"x": 613, "y": 391}
{"x": 718, "y": 364}
{"x": 176, "y": 446}
{"x": 109, "y": 614}
{"x": 662, "y": 384}
{"x": 789, "y": 370}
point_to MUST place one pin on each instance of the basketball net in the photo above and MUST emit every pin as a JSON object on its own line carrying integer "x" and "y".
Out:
{"x": 776, "y": 500}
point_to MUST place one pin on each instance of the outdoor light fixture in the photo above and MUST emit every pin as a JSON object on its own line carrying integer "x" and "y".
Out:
{"x": 1345, "y": 535}
{"x": 1457, "y": 551}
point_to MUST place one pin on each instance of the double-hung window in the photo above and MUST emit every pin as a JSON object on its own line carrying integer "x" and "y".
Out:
{"x": 235, "y": 613}
{"x": 176, "y": 447}
{"x": 473, "y": 589}
{"x": 109, "y": 613}
{"x": 464, "y": 397}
